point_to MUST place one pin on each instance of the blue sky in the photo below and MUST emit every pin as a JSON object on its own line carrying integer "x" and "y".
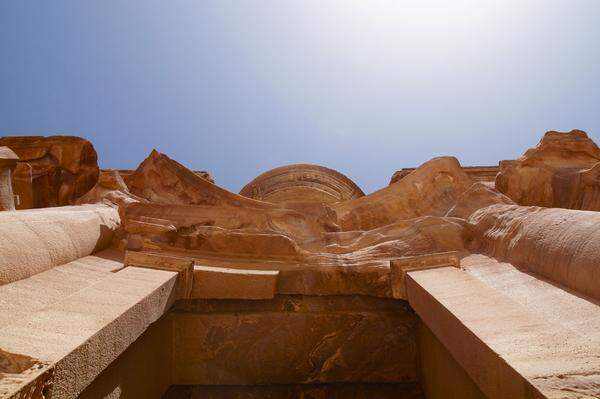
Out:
{"x": 240, "y": 87}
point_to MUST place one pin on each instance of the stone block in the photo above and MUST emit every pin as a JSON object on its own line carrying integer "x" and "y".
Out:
{"x": 507, "y": 346}
{"x": 82, "y": 334}
{"x": 224, "y": 283}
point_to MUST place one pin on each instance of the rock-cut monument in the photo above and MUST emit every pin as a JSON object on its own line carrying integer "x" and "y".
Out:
{"x": 451, "y": 282}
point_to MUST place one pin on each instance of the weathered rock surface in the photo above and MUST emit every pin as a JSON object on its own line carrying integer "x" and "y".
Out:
{"x": 559, "y": 244}
{"x": 232, "y": 342}
{"x": 482, "y": 174}
{"x": 52, "y": 171}
{"x": 578, "y": 189}
{"x": 110, "y": 189}
{"x": 224, "y": 228}
{"x": 205, "y": 175}
{"x": 126, "y": 174}
{"x": 162, "y": 180}
{"x": 302, "y": 183}
{"x": 179, "y": 195}
{"x": 291, "y": 272}
{"x": 319, "y": 230}
{"x": 360, "y": 265}
{"x": 432, "y": 189}
{"x": 478, "y": 196}
{"x": 561, "y": 171}
{"x": 336, "y": 248}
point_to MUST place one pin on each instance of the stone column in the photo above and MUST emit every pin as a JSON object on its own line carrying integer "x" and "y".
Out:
{"x": 8, "y": 161}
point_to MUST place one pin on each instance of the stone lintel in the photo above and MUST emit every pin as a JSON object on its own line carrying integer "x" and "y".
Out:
{"x": 399, "y": 267}
{"x": 224, "y": 283}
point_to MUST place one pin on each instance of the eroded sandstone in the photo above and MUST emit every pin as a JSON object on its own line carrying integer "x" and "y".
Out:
{"x": 111, "y": 189}
{"x": 558, "y": 172}
{"x": 319, "y": 248}
{"x": 302, "y": 280}
{"x": 559, "y": 244}
{"x": 52, "y": 171}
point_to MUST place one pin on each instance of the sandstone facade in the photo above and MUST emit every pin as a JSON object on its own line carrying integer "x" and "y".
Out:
{"x": 442, "y": 284}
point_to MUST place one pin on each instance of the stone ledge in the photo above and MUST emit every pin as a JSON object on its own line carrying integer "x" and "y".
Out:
{"x": 295, "y": 278}
{"x": 507, "y": 347}
{"x": 82, "y": 334}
